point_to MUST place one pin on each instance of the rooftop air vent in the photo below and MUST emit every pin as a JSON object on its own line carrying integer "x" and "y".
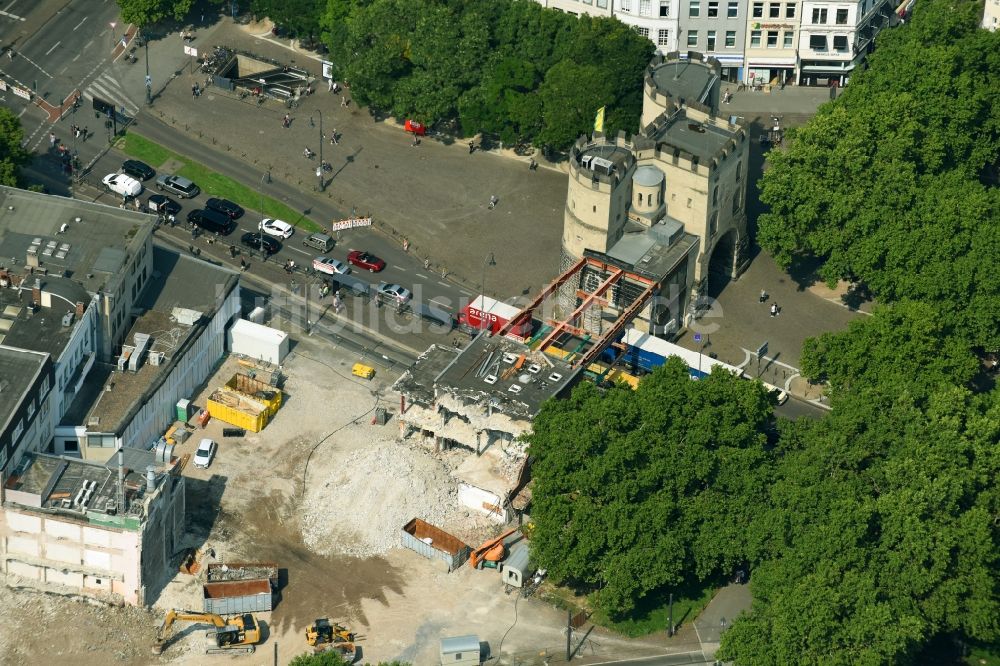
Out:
{"x": 514, "y": 388}
{"x": 524, "y": 378}
{"x": 509, "y": 358}
{"x": 490, "y": 379}
{"x": 534, "y": 368}
{"x": 554, "y": 377}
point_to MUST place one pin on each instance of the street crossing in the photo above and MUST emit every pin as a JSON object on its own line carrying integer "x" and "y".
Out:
{"x": 107, "y": 88}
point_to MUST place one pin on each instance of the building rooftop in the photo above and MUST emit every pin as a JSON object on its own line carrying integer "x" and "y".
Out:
{"x": 704, "y": 140}
{"x": 84, "y": 489}
{"x": 685, "y": 80}
{"x": 181, "y": 281}
{"x": 418, "y": 381}
{"x": 18, "y": 370}
{"x": 608, "y": 151}
{"x": 47, "y": 328}
{"x": 126, "y": 388}
{"x": 652, "y": 252}
{"x": 484, "y": 373}
{"x": 86, "y": 242}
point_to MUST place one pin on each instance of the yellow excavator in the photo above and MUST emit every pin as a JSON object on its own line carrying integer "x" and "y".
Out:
{"x": 238, "y": 633}
{"x": 326, "y": 636}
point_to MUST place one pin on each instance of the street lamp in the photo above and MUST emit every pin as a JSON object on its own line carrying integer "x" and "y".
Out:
{"x": 489, "y": 261}
{"x": 319, "y": 169}
{"x": 149, "y": 80}
{"x": 261, "y": 223}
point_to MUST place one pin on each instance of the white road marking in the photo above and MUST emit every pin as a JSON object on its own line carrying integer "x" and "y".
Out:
{"x": 443, "y": 284}
{"x": 81, "y": 22}
{"x": 87, "y": 45}
{"x": 13, "y": 16}
{"x": 398, "y": 267}
{"x": 77, "y": 56}
{"x": 446, "y": 306}
{"x": 296, "y": 249}
{"x": 421, "y": 275}
{"x": 53, "y": 47}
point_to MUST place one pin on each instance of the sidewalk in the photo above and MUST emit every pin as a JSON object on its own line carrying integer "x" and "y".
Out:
{"x": 725, "y": 607}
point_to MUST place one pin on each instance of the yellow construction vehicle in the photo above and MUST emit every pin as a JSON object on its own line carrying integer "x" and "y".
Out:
{"x": 238, "y": 633}
{"x": 326, "y": 636}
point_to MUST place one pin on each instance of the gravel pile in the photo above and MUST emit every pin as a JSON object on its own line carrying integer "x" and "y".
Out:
{"x": 358, "y": 506}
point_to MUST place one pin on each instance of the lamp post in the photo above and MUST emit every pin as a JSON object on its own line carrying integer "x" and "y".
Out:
{"x": 489, "y": 261}
{"x": 260, "y": 227}
{"x": 149, "y": 80}
{"x": 319, "y": 169}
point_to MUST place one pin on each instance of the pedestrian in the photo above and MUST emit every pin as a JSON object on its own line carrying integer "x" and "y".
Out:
{"x": 343, "y": 100}
{"x": 286, "y": 121}
{"x": 311, "y": 123}
{"x": 86, "y": 132}
{"x": 416, "y": 141}
{"x": 472, "y": 147}
{"x": 52, "y": 139}
{"x": 774, "y": 309}
{"x": 10, "y": 53}
{"x": 329, "y": 85}
{"x": 333, "y": 137}
{"x": 763, "y": 296}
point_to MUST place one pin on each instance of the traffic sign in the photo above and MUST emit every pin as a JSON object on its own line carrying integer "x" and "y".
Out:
{"x": 761, "y": 350}
{"x": 697, "y": 337}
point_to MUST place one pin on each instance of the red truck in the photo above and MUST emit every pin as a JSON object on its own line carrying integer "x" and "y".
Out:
{"x": 485, "y": 313}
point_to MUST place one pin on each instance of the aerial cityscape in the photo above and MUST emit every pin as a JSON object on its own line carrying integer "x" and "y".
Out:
{"x": 520, "y": 332}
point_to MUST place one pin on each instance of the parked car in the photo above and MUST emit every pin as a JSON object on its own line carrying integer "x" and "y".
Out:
{"x": 138, "y": 170}
{"x": 205, "y": 453}
{"x": 330, "y": 266}
{"x": 178, "y": 185}
{"x": 276, "y": 228}
{"x": 209, "y": 220}
{"x": 365, "y": 260}
{"x": 119, "y": 183}
{"x": 226, "y": 207}
{"x": 160, "y": 203}
{"x": 394, "y": 292}
{"x": 260, "y": 242}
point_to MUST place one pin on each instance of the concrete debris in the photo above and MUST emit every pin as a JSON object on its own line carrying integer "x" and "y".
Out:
{"x": 357, "y": 506}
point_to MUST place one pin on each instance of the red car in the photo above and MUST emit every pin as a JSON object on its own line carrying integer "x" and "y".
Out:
{"x": 364, "y": 260}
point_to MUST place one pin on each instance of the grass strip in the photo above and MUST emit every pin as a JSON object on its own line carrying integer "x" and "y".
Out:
{"x": 215, "y": 184}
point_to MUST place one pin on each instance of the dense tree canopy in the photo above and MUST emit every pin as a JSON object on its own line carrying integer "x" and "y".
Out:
{"x": 894, "y": 183}
{"x": 146, "y": 12}
{"x": 12, "y": 153}
{"x": 508, "y": 68}
{"x": 637, "y": 491}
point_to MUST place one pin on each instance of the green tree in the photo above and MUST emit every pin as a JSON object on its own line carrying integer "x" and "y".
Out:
{"x": 884, "y": 533}
{"x": 637, "y": 491}
{"x": 906, "y": 347}
{"x": 147, "y": 12}
{"x": 571, "y": 94}
{"x": 889, "y": 185}
{"x": 301, "y": 17}
{"x": 12, "y": 153}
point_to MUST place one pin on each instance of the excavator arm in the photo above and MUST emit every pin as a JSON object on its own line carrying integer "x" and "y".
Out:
{"x": 186, "y": 615}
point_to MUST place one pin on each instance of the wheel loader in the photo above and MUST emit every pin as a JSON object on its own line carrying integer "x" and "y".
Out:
{"x": 326, "y": 636}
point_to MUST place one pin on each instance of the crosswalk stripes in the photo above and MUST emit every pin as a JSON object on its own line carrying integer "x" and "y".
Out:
{"x": 108, "y": 89}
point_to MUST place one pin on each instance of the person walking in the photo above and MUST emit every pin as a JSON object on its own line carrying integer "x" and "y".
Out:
{"x": 774, "y": 309}
{"x": 329, "y": 85}
{"x": 763, "y": 296}
{"x": 343, "y": 101}
{"x": 286, "y": 121}
{"x": 52, "y": 139}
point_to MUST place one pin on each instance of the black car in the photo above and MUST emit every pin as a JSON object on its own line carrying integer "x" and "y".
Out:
{"x": 257, "y": 241}
{"x": 138, "y": 170}
{"x": 161, "y": 204}
{"x": 210, "y": 220}
{"x": 224, "y": 206}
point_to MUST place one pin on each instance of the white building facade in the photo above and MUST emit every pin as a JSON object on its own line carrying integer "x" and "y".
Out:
{"x": 655, "y": 19}
{"x": 836, "y": 36}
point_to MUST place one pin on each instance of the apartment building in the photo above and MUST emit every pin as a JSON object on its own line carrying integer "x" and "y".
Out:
{"x": 655, "y": 19}
{"x": 772, "y": 42}
{"x": 835, "y": 37}
{"x": 717, "y": 29}
{"x": 991, "y": 15}
{"x": 577, "y": 7}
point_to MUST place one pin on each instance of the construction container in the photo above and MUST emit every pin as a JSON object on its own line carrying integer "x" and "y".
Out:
{"x": 219, "y": 572}
{"x": 434, "y": 543}
{"x": 241, "y": 596}
{"x": 184, "y": 410}
{"x": 266, "y": 394}
{"x": 238, "y": 410}
{"x": 363, "y": 371}
{"x": 460, "y": 651}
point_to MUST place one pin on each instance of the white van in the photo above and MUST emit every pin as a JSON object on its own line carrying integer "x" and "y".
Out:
{"x": 126, "y": 186}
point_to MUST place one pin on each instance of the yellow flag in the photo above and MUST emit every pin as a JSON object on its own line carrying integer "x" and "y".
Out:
{"x": 599, "y": 121}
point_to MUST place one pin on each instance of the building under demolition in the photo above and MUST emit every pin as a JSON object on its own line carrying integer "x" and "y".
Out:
{"x": 85, "y": 527}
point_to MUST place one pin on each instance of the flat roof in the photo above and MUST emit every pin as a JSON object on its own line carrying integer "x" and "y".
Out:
{"x": 609, "y": 151}
{"x": 701, "y": 139}
{"x": 655, "y": 251}
{"x": 89, "y": 249}
{"x": 73, "y": 486}
{"x": 484, "y": 372}
{"x": 685, "y": 80}
{"x": 41, "y": 330}
{"x": 181, "y": 281}
{"x": 128, "y": 388}
{"x": 18, "y": 370}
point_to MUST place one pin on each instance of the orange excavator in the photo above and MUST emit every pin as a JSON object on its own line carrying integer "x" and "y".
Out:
{"x": 491, "y": 552}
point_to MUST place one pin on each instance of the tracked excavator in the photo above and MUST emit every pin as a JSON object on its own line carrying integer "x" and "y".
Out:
{"x": 238, "y": 633}
{"x": 326, "y": 636}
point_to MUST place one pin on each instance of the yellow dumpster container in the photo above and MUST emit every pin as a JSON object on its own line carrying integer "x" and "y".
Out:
{"x": 237, "y": 409}
{"x": 363, "y": 371}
